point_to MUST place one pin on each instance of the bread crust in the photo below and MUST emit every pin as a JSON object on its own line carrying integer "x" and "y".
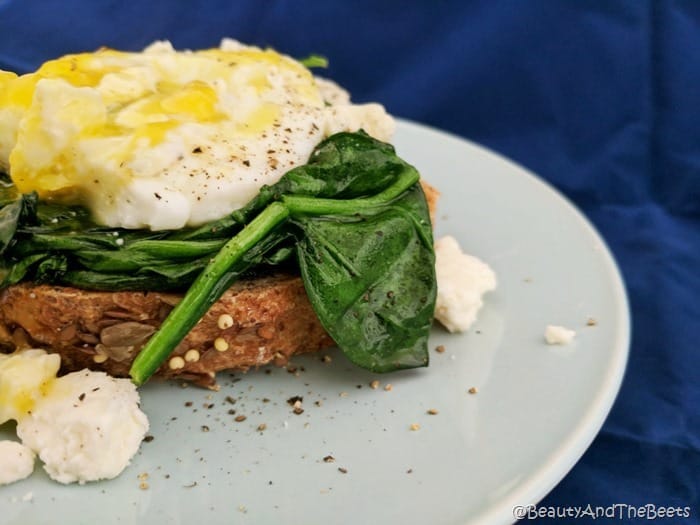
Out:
{"x": 271, "y": 319}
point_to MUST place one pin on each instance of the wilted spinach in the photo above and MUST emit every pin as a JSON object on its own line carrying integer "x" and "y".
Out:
{"x": 354, "y": 216}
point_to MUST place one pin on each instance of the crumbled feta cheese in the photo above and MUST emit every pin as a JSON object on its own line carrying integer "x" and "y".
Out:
{"x": 16, "y": 462}
{"x": 84, "y": 426}
{"x": 462, "y": 280}
{"x": 87, "y": 427}
{"x": 558, "y": 335}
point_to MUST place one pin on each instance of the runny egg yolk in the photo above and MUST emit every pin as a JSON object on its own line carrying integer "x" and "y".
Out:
{"x": 163, "y": 139}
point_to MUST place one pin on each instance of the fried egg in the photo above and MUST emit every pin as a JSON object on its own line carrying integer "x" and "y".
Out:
{"x": 163, "y": 139}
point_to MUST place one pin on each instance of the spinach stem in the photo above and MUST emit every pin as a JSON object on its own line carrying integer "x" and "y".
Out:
{"x": 203, "y": 293}
{"x": 300, "y": 205}
{"x": 176, "y": 249}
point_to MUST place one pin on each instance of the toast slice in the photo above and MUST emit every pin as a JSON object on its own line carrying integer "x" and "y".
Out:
{"x": 256, "y": 322}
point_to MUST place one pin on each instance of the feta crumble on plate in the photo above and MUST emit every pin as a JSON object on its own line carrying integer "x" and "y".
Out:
{"x": 84, "y": 426}
{"x": 16, "y": 461}
{"x": 558, "y": 335}
{"x": 462, "y": 280}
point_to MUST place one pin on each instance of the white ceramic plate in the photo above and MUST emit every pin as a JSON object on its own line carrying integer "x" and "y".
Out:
{"x": 537, "y": 408}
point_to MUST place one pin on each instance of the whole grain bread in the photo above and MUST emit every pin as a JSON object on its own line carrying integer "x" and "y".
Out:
{"x": 256, "y": 322}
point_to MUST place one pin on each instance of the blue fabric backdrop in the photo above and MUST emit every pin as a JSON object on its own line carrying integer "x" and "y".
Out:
{"x": 602, "y": 99}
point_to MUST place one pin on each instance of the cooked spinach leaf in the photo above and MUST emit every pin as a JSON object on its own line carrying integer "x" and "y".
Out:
{"x": 371, "y": 282}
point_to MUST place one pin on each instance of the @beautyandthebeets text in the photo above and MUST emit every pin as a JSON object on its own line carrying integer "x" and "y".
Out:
{"x": 616, "y": 511}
